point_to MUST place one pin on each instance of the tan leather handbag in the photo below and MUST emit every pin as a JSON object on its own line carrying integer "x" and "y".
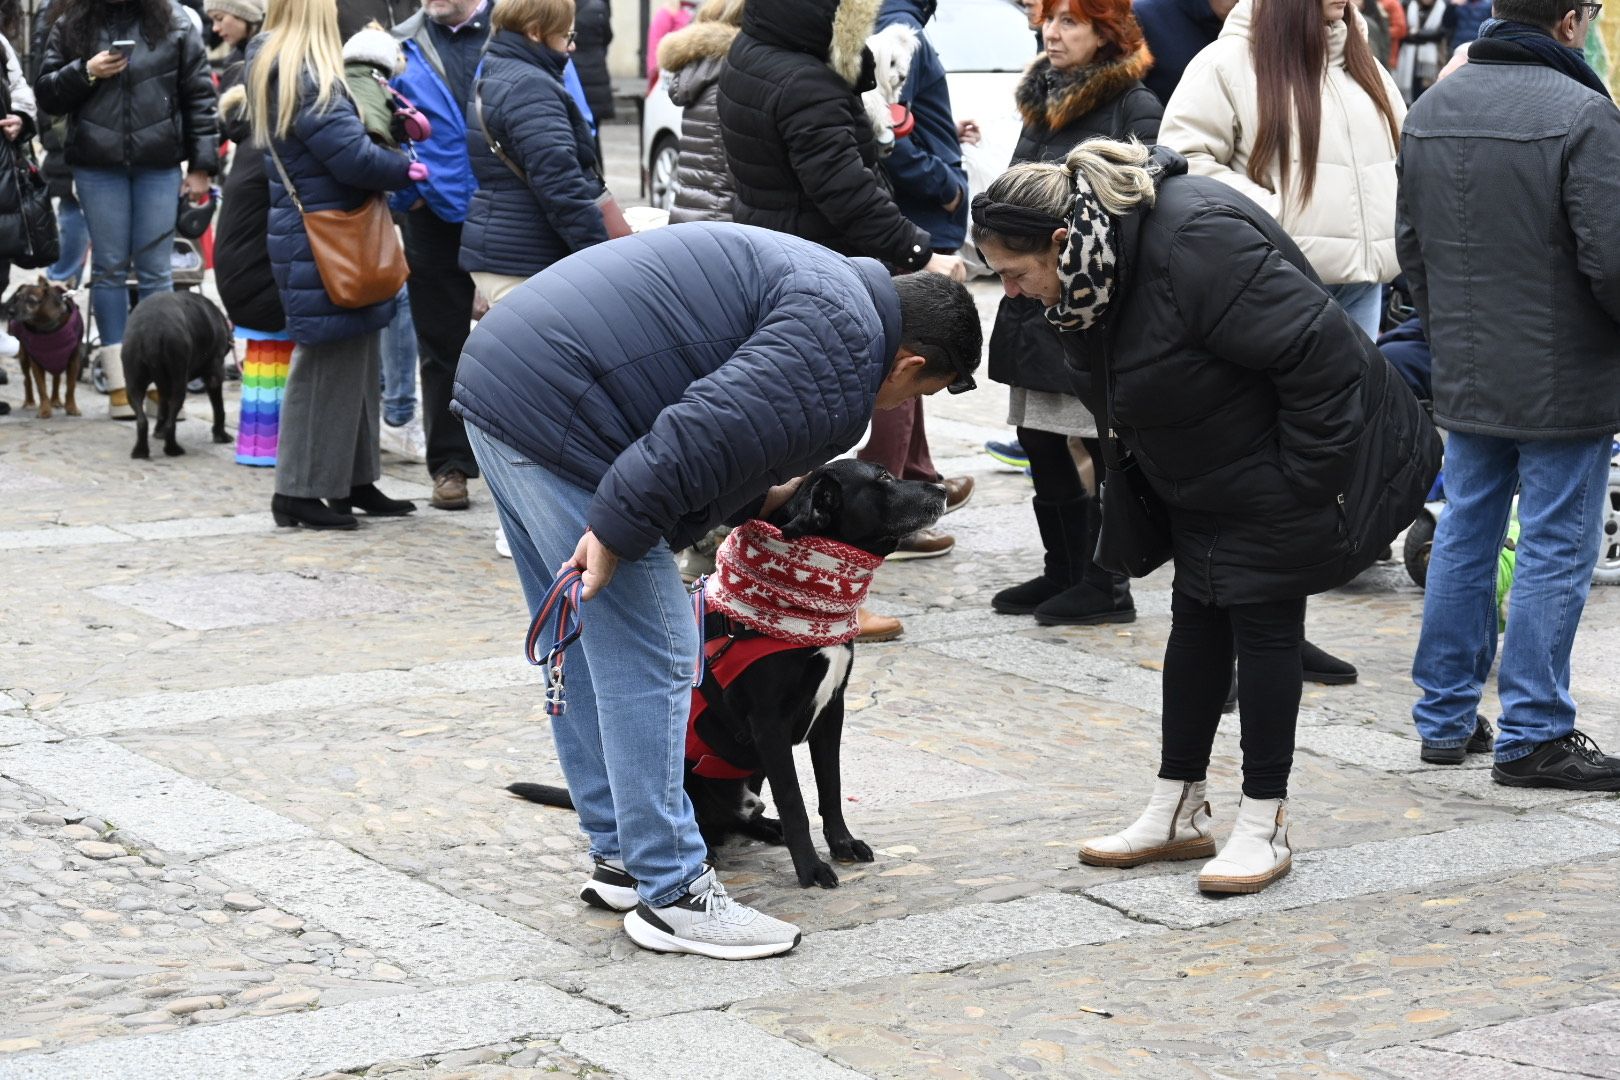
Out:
{"x": 357, "y": 252}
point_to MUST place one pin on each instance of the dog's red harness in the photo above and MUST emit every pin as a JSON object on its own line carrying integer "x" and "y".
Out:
{"x": 52, "y": 349}
{"x": 727, "y": 658}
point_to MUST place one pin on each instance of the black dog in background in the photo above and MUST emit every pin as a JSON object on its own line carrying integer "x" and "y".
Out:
{"x": 171, "y": 339}
{"x": 797, "y": 696}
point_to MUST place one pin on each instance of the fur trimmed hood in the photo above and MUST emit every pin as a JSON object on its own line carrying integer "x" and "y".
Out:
{"x": 699, "y": 41}
{"x": 1055, "y": 99}
{"x": 834, "y": 31}
{"x": 377, "y": 47}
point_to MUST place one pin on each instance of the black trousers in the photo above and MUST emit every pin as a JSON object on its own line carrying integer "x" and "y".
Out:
{"x": 1198, "y": 673}
{"x": 1051, "y": 465}
{"x": 441, "y": 304}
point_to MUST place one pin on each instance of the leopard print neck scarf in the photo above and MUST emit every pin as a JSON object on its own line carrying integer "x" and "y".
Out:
{"x": 1085, "y": 265}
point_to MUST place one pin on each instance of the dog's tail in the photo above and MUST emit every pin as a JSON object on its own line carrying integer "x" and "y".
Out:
{"x": 544, "y": 794}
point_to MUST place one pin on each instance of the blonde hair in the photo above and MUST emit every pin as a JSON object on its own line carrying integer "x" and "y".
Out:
{"x": 552, "y": 17}
{"x": 301, "y": 37}
{"x": 1117, "y": 173}
{"x": 729, "y": 12}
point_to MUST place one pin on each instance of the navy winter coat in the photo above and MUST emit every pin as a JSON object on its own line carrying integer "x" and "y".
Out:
{"x": 681, "y": 372}
{"x": 521, "y": 228}
{"x": 334, "y": 165}
{"x": 1176, "y": 31}
{"x": 926, "y": 166}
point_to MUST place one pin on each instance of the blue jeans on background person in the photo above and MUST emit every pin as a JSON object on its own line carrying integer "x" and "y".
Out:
{"x": 399, "y": 364}
{"x": 130, "y": 213}
{"x": 1562, "y": 484}
{"x": 622, "y": 740}
{"x": 1363, "y": 302}
{"x": 75, "y": 242}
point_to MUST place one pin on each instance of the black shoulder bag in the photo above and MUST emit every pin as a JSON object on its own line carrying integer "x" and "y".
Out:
{"x": 28, "y": 236}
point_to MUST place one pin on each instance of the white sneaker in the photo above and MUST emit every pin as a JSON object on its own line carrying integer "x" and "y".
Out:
{"x": 707, "y": 922}
{"x": 405, "y": 441}
{"x": 8, "y": 344}
{"x": 504, "y": 550}
{"x": 610, "y": 887}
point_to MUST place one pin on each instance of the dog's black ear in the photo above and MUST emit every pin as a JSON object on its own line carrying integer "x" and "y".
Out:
{"x": 812, "y": 509}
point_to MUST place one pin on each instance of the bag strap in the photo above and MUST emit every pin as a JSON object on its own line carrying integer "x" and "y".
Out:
{"x": 483, "y": 126}
{"x": 286, "y": 181}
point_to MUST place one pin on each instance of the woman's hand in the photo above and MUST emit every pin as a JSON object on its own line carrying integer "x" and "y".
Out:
{"x": 195, "y": 185}
{"x": 967, "y": 131}
{"x": 778, "y": 496}
{"x": 951, "y": 266}
{"x": 106, "y": 64}
{"x": 597, "y": 563}
{"x": 12, "y": 125}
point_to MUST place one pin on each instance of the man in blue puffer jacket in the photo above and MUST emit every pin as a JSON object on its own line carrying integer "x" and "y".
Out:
{"x": 442, "y": 44}
{"x": 624, "y": 402}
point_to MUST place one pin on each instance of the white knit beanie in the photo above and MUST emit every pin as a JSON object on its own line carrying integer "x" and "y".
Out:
{"x": 249, "y": 11}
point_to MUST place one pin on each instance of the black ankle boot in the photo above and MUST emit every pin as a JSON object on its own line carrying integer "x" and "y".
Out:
{"x": 366, "y": 497}
{"x": 1096, "y": 596}
{"x": 1024, "y": 599}
{"x": 310, "y": 513}
{"x": 1325, "y": 668}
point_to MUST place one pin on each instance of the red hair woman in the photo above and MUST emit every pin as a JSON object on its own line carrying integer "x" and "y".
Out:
{"x": 1087, "y": 84}
{"x": 1290, "y": 107}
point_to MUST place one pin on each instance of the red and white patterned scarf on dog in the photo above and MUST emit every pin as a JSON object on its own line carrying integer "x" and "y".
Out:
{"x": 806, "y": 591}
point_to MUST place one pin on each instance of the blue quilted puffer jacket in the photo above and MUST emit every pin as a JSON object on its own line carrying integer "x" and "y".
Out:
{"x": 334, "y": 166}
{"x": 678, "y": 374}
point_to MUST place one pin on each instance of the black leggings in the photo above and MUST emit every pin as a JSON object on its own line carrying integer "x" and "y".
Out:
{"x": 1052, "y": 467}
{"x": 1198, "y": 673}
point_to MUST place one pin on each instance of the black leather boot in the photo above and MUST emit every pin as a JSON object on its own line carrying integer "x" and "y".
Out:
{"x": 366, "y": 497}
{"x": 1024, "y": 599}
{"x": 310, "y": 513}
{"x": 1096, "y": 595}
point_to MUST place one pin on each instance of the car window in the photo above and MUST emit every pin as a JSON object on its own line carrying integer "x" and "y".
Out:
{"x": 981, "y": 35}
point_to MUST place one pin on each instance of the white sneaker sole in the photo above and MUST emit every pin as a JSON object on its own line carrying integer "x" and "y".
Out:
{"x": 601, "y": 895}
{"x": 653, "y": 939}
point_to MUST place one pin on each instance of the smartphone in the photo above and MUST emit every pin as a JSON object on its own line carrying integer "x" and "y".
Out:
{"x": 123, "y": 48}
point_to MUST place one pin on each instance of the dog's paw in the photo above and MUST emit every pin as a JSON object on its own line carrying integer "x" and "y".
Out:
{"x": 72, "y": 410}
{"x": 140, "y": 453}
{"x": 850, "y": 850}
{"x": 174, "y": 449}
{"x": 44, "y": 412}
{"x": 818, "y": 873}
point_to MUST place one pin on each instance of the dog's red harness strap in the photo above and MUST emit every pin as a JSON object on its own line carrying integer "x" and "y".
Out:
{"x": 727, "y": 659}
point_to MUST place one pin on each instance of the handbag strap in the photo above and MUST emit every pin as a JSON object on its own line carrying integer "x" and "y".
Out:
{"x": 483, "y": 125}
{"x": 286, "y": 181}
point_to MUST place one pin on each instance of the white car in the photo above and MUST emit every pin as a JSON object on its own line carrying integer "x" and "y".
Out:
{"x": 985, "y": 46}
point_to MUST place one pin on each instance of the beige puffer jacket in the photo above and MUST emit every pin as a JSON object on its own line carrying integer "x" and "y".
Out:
{"x": 1347, "y": 230}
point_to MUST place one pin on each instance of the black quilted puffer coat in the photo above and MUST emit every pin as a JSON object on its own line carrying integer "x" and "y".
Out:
{"x": 1288, "y": 451}
{"x": 798, "y": 140}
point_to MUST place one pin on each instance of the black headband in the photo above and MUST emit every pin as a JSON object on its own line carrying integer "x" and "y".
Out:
{"x": 1010, "y": 219}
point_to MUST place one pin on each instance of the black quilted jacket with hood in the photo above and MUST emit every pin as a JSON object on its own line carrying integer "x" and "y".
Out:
{"x": 797, "y": 139}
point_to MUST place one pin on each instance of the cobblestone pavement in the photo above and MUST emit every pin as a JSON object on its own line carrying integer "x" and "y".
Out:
{"x": 252, "y": 825}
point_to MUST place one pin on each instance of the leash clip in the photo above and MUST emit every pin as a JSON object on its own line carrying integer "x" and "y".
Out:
{"x": 556, "y": 704}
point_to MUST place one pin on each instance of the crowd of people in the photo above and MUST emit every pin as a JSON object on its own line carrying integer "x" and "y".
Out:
{"x": 1206, "y": 207}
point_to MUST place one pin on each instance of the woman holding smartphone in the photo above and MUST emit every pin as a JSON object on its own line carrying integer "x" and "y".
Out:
{"x": 131, "y": 76}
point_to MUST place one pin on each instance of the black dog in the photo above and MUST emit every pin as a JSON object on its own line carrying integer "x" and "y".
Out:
{"x": 171, "y": 339}
{"x": 772, "y": 706}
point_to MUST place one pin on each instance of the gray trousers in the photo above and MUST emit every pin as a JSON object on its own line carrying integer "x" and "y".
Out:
{"x": 329, "y": 419}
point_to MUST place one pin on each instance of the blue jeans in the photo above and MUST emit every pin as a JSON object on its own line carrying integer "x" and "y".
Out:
{"x": 399, "y": 364}
{"x": 622, "y": 742}
{"x": 1363, "y": 302}
{"x": 1562, "y": 484}
{"x": 75, "y": 241}
{"x": 131, "y": 216}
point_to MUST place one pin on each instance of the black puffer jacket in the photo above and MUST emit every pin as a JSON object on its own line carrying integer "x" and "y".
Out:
{"x": 1059, "y": 114}
{"x": 242, "y": 272}
{"x": 52, "y": 130}
{"x": 593, "y": 28}
{"x": 797, "y": 138}
{"x": 159, "y": 112}
{"x": 1288, "y": 451}
{"x": 691, "y": 59}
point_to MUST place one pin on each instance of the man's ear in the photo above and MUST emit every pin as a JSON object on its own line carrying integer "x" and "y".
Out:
{"x": 812, "y": 509}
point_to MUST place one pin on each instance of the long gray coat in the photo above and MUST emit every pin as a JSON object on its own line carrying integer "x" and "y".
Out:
{"x": 1510, "y": 238}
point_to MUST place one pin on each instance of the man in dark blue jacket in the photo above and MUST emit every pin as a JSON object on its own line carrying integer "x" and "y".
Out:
{"x": 1176, "y": 31}
{"x": 442, "y": 44}
{"x": 624, "y": 402}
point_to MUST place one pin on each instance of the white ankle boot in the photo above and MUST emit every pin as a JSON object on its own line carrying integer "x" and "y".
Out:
{"x": 1257, "y": 852}
{"x": 1174, "y": 826}
{"x": 112, "y": 366}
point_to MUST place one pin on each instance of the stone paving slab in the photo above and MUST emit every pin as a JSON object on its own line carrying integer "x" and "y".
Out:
{"x": 1054, "y": 665}
{"x": 1374, "y": 749}
{"x": 710, "y": 1045}
{"x": 1583, "y": 1040}
{"x": 1604, "y": 810}
{"x": 422, "y": 929}
{"x": 16, "y": 730}
{"x": 1477, "y": 783}
{"x": 1320, "y": 876}
{"x": 1423, "y": 1063}
{"x": 60, "y": 536}
{"x": 348, "y": 1037}
{"x": 220, "y": 601}
{"x": 176, "y": 813}
{"x": 643, "y": 987}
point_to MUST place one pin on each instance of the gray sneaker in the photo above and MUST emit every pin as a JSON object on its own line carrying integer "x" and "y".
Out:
{"x": 707, "y": 922}
{"x": 610, "y": 887}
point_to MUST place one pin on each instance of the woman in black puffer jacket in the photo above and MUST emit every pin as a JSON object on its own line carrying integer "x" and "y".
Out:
{"x": 1087, "y": 84}
{"x": 691, "y": 59}
{"x": 131, "y": 122}
{"x": 1284, "y": 447}
{"x": 539, "y": 204}
{"x": 593, "y": 33}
